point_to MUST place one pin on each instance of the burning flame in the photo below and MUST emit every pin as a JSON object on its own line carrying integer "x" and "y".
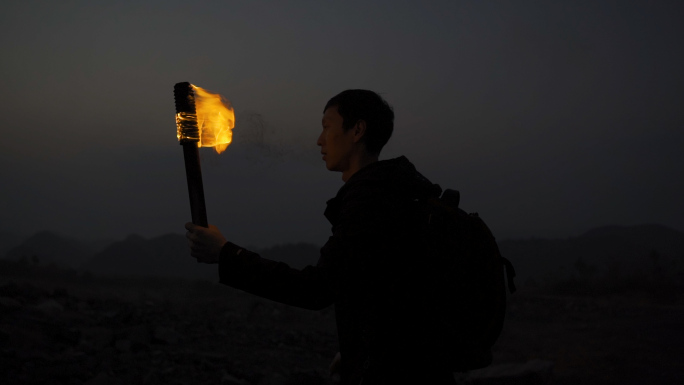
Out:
{"x": 215, "y": 119}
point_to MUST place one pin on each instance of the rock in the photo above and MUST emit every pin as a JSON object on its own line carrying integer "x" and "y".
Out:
{"x": 309, "y": 377}
{"x": 7, "y": 303}
{"x": 139, "y": 333}
{"x": 533, "y": 372}
{"x": 111, "y": 313}
{"x": 273, "y": 379}
{"x": 103, "y": 378}
{"x": 123, "y": 345}
{"x": 49, "y": 306}
{"x": 229, "y": 379}
{"x": 60, "y": 292}
{"x": 82, "y": 306}
{"x": 96, "y": 337}
{"x": 61, "y": 335}
{"x": 23, "y": 291}
{"x": 165, "y": 335}
{"x": 139, "y": 336}
{"x": 107, "y": 359}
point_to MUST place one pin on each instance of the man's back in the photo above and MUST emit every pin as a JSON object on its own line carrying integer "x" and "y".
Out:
{"x": 373, "y": 251}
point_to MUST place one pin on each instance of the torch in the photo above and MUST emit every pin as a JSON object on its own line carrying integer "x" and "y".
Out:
{"x": 203, "y": 119}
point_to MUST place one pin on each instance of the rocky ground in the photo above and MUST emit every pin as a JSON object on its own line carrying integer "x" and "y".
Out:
{"x": 629, "y": 335}
{"x": 65, "y": 327}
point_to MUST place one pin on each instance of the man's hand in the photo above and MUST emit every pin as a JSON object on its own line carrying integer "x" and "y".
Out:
{"x": 205, "y": 243}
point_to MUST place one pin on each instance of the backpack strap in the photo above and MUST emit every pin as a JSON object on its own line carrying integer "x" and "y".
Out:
{"x": 510, "y": 274}
{"x": 452, "y": 197}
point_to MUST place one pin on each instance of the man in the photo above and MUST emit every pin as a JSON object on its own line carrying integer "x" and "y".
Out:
{"x": 366, "y": 267}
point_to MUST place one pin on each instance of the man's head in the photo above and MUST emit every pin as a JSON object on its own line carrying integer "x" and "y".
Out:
{"x": 369, "y": 107}
{"x": 356, "y": 125}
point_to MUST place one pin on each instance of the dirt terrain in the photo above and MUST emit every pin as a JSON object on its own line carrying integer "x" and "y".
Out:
{"x": 628, "y": 337}
{"x": 66, "y": 327}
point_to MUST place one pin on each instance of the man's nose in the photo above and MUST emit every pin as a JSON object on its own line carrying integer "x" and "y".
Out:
{"x": 319, "y": 142}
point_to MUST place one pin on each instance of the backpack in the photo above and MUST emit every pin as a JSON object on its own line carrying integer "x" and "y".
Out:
{"x": 465, "y": 300}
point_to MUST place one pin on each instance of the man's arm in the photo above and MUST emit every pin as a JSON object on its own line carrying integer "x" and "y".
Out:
{"x": 309, "y": 288}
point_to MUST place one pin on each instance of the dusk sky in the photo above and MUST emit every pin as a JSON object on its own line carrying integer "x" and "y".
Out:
{"x": 550, "y": 117}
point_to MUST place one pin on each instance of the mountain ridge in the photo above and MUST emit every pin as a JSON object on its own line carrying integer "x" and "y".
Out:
{"x": 604, "y": 250}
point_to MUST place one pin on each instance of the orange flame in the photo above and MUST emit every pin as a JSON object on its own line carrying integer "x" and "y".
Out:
{"x": 215, "y": 119}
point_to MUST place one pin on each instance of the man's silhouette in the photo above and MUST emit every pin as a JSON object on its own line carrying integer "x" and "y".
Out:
{"x": 367, "y": 267}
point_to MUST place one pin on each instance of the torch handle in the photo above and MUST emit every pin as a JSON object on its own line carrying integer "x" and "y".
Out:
{"x": 195, "y": 186}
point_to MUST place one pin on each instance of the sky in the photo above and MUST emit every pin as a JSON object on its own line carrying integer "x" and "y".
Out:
{"x": 551, "y": 117}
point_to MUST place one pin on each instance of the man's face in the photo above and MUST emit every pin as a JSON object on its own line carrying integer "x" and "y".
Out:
{"x": 336, "y": 144}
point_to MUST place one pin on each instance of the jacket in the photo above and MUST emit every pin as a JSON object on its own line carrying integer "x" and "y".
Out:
{"x": 365, "y": 270}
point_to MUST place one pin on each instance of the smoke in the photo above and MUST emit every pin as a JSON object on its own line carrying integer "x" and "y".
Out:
{"x": 260, "y": 137}
{"x": 261, "y": 143}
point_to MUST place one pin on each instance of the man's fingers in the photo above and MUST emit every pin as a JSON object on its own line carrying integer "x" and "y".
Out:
{"x": 204, "y": 243}
{"x": 193, "y": 236}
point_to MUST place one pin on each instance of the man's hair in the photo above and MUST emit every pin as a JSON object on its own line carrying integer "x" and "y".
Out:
{"x": 355, "y": 105}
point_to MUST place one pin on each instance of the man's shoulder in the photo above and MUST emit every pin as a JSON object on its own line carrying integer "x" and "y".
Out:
{"x": 376, "y": 180}
{"x": 389, "y": 178}
{"x": 359, "y": 200}
{"x": 379, "y": 187}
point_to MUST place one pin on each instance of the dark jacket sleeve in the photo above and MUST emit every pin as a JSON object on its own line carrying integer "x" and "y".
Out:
{"x": 309, "y": 288}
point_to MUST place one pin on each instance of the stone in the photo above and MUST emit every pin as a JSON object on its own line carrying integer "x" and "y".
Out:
{"x": 123, "y": 345}
{"x": 229, "y": 379}
{"x": 96, "y": 337}
{"x": 7, "y": 303}
{"x": 103, "y": 378}
{"x": 139, "y": 336}
{"x": 533, "y": 372}
{"x": 165, "y": 335}
{"x": 49, "y": 306}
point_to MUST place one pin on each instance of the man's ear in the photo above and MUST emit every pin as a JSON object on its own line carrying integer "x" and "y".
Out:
{"x": 359, "y": 130}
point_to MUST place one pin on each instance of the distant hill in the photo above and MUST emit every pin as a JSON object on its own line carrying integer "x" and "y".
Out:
{"x": 9, "y": 241}
{"x": 169, "y": 255}
{"x": 47, "y": 247}
{"x": 610, "y": 251}
{"x": 165, "y": 255}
